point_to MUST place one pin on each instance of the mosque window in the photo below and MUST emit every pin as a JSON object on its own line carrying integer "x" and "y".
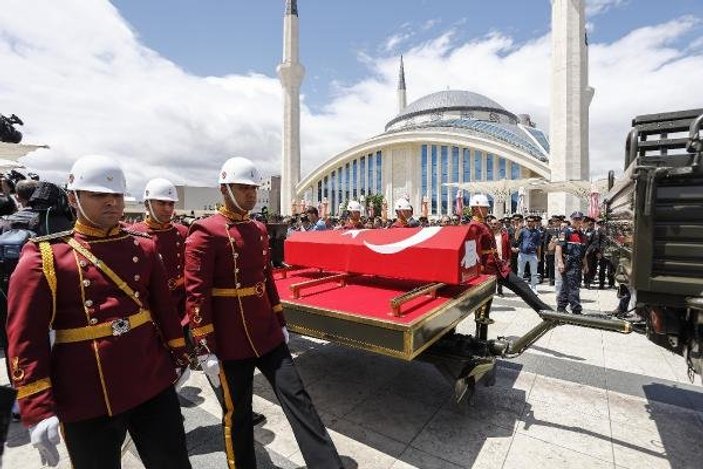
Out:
{"x": 434, "y": 178}
{"x": 379, "y": 175}
{"x": 370, "y": 175}
{"x": 478, "y": 166}
{"x": 347, "y": 182}
{"x": 354, "y": 180}
{"x": 467, "y": 165}
{"x": 514, "y": 171}
{"x": 319, "y": 189}
{"x": 455, "y": 164}
{"x": 444, "y": 152}
{"x": 501, "y": 168}
{"x": 362, "y": 174}
{"x": 326, "y": 187}
{"x": 333, "y": 198}
{"x": 423, "y": 170}
{"x": 489, "y": 167}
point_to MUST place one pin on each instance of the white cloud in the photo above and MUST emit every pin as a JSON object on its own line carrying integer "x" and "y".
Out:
{"x": 595, "y": 7}
{"x": 83, "y": 83}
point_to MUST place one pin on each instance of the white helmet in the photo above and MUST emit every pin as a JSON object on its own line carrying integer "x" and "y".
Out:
{"x": 97, "y": 173}
{"x": 403, "y": 204}
{"x": 354, "y": 206}
{"x": 479, "y": 200}
{"x": 239, "y": 170}
{"x": 160, "y": 189}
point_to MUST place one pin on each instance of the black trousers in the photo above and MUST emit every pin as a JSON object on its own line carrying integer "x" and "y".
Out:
{"x": 592, "y": 263}
{"x": 549, "y": 263}
{"x": 277, "y": 366}
{"x": 523, "y": 290}
{"x": 605, "y": 268}
{"x": 156, "y": 426}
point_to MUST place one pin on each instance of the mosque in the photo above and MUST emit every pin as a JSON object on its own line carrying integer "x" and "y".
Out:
{"x": 450, "y": 136}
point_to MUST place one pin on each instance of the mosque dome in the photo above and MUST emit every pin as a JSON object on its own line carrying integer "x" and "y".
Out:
{"x": 463, "y": 103}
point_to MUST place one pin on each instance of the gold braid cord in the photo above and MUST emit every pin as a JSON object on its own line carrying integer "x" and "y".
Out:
{"x": 47, "y": 261}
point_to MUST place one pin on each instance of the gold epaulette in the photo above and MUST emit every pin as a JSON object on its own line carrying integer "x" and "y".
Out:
{"x": 51, "y": 237}
{"x": 136, "y": 233}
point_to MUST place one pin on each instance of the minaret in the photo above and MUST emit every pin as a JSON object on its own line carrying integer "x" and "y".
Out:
{"x": 570, "y": 99}
{"x": 291, "y": 74}
{"x": 402, "y": 99}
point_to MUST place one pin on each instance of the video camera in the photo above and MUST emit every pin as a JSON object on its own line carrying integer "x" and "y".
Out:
{"x": 8, "y": 133}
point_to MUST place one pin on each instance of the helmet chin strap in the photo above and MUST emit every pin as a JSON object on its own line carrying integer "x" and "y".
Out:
{"x": 153, "y": 215}
{"x": 81, "y": 211}
{"x": 233, "y": 199}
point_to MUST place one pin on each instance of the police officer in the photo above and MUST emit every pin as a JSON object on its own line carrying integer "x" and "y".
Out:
{"x": 237, "y": 320}
{"x": 592, "y": 250}
{"x": 404, "y": 213}
{"x": 605, "y": 265}
{"x": 491, "y": 263}
{"x": 569, "y": 256}
{"x": 354, "y": 221}
{"x": 550, "y": 238}
{"x": 109, "y": 366}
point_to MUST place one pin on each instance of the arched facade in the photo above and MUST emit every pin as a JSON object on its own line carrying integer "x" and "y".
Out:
{"x": 450, "y": 136}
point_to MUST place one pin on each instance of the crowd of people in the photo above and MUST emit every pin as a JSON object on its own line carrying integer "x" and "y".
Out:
{"x": 567, "y": 253}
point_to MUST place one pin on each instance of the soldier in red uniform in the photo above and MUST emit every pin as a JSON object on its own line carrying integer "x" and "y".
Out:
{"x": 237, "y": 320}
{"x": 354, "y": 221}
{"x": 491, "y": 263}
{"x": 107, "y": 366}
{"x": 160, "y": 197}
{"x": 404, "y": 213}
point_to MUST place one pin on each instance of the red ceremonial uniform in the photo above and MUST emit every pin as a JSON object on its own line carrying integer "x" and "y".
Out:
{"x": 110, "y": 354}
{"x": 487, "y": 250}
{"x": 231, "y": 297}
{"x": 353, "y": 225}
{"x": 170, "y": 244}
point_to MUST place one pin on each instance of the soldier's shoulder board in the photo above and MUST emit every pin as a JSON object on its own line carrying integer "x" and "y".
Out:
{"x": 51, "y": 237}
{"x": 136, "y": 233}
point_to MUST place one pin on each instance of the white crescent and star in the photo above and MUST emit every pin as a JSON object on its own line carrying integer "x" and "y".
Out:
{"x": 398, "y": 246}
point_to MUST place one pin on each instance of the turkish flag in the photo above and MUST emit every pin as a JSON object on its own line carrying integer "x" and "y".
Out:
{"x": 435, "y": 254}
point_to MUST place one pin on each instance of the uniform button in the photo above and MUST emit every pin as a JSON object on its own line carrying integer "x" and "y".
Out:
{"x": 178, "y": 243}
{"x": 93, "y": 321}
{"x": 136, "y": 243}
{"x": 82, "y": 263}
{"x": 137, "y": 277}
{"x": 135, "y": 259}
{"x": 238, "y": 285}
{"x": 86, "y": 283}
{"x": 88, "y": 303}
{"x": 261, "y": 238}
{"x": 236, "y": 255}
{"x": 178, "y": 254}
{"x": 136, "y": 294}
{"x": 178, "y": 267}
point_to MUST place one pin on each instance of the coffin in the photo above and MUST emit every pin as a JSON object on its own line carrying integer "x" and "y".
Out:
{"x": 394, "y": 292}
{"x": 434, "y": 254}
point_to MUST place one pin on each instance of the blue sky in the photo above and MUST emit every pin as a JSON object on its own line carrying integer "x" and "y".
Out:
{"x": 218, "y": 37}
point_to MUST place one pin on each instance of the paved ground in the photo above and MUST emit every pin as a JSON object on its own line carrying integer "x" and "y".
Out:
{"x": 580, "y": 398}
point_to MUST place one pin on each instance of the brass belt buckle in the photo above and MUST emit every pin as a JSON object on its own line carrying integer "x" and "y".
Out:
{"x": 120, "y": 326}
{"x": 259, "y": 288}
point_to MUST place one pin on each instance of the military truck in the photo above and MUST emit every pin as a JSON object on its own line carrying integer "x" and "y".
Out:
{"x": 655, "y": 228}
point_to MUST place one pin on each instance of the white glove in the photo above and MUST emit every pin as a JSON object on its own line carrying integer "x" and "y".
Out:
{"x": 211, "y": 367}
{"x": 44, "y": 437}
{"x": 286, "y": 335}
